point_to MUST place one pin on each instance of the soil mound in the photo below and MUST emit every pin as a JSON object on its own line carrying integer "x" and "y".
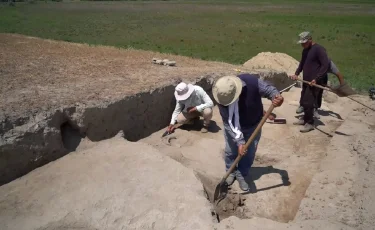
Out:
{"x": 274, "y": 61}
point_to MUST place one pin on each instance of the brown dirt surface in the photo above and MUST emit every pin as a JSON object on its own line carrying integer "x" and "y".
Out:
{"x": 41, "y": 74}
{"x": 275, "y": 61}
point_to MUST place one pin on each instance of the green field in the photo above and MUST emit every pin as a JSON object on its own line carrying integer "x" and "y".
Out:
{"x": 230, "y": 31}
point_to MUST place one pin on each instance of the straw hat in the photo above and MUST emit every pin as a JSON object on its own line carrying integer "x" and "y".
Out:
{"x": 227, "y": 89}
{"x": 183, "y": 91}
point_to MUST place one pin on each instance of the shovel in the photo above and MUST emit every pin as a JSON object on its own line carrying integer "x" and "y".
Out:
{"x": 222, "y": 187}
{"x": 341, "y": 91}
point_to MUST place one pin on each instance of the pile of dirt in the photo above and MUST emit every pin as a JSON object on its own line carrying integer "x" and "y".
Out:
{"x": 273, "y": 61}
{"x": 114, "y": 185}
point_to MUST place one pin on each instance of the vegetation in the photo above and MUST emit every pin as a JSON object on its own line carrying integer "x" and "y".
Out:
{"x": 229, "y": 31}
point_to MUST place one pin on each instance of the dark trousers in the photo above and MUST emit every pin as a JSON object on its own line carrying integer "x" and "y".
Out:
{"x": 323, "y": 82}
{"x": 309, "y": 102}
{"x": 319, "y": 92}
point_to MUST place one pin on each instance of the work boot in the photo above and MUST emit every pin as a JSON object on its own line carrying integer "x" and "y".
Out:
{"x": 299, "y": 110}
{"x": 307, "y": 128}
{"x": 299, "y": 122}
{"x": 242, "y": 182}
{"x": 316, "y": 114}
{"x": 231, "y": 178}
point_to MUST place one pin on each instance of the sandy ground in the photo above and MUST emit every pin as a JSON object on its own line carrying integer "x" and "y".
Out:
{"x": 285, "y": 163}
{"x": 318, "y": 180}
{"x": 112, "y": 185}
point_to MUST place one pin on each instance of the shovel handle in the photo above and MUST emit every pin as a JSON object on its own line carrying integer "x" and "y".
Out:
{"x": 316, "y": 85}
{"x": 251, "y": 139}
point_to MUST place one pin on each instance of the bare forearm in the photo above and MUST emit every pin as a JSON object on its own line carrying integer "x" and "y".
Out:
{"x": 340, "y": 77}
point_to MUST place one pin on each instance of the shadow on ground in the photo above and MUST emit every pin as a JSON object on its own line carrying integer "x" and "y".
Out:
{"x": 257, "y": 172}
{"x": 329, "y": 113}
{"x": 214, "y": 128}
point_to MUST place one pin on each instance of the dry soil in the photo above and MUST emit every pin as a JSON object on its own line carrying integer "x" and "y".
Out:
{"x": 319, "y": 180}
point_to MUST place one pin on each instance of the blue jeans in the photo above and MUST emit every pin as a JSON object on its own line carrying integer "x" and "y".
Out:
{"x": 231, "y": 151}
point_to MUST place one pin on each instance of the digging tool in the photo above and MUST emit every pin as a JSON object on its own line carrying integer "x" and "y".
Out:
{"x": 341, "y": 91}
{"x": 167, "y": 132}
{"x": 280, "y": 120}
{"x": 221, "y": 188}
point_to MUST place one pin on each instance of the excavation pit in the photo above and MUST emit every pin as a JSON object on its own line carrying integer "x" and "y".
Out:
{"x": 140, "y": 181}
{"x": 273, "y": 195}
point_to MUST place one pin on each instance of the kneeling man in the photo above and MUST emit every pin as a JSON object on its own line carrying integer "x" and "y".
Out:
{"x": 192, "y": 102}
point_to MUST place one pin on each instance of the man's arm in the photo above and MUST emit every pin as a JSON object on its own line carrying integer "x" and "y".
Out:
{"x": 207, "y": 100}
{"x": 324, "y": 62}
{"x": 333, "y": 69}
{"x": 239, "y": 141}
{"x": 177, "y": 110}
{"x": 266, "y": 90}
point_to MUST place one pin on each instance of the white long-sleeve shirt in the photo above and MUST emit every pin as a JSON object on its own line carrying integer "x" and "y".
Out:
{"x": 199, "y": 98}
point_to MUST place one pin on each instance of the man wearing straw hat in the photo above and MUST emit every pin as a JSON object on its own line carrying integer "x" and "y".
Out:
{"x": 192, "y": 102}
{"x": 240, "y": 104}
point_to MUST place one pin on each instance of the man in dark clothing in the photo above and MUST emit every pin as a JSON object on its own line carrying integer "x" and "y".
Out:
{"x": 240, "y": 104}
{"x": 314, "y": 64}
{"x": 333, "y": 70}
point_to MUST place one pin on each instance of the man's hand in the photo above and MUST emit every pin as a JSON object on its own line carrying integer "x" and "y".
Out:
{"x": 241, "y": 150}
{"x": 294, "y": 77}
{"x": 313, "y": 82}
{"x": 277, "y": 100}
{"x": 192, "y": 109}
{"x": 170, "y": 128}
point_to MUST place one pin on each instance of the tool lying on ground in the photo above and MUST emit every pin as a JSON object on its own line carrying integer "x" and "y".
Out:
{"x": 277, "y": 121}
{"x": 343, "y": 90}
{"x": 221, "y": 188}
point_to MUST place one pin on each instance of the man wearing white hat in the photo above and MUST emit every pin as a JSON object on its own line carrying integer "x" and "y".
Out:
{"x": 240, "y": 104}
{"x": 192, "y": 102}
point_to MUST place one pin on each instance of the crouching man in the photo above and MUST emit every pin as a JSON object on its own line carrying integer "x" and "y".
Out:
{"x": 192, "y": 102}
{"x": 240, "y": 105}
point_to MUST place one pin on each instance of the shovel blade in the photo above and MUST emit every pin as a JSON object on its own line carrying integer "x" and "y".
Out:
{"x": 221, "y": 191}
{"x": 343, "y": 90}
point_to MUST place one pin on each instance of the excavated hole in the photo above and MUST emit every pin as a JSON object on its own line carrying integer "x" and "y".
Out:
{"x": 231, "y": 205}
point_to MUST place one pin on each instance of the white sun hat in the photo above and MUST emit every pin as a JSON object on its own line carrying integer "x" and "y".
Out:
{"x": 227, "y": 90}
{"x": 183, "y": 91}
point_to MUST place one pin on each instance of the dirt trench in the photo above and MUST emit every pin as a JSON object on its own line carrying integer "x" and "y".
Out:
{"x": 48, "y": 135}
{"x": 285, "y": 162}
{"x": 284, "y": 166}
